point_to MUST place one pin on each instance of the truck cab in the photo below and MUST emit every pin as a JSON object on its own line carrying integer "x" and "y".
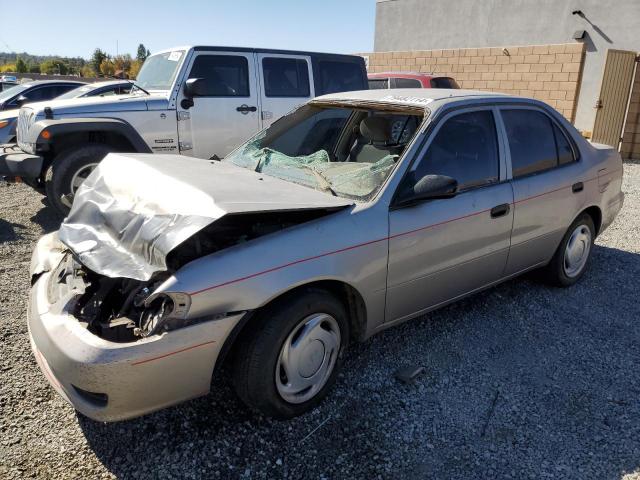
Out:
{"x": 197, "y": 101}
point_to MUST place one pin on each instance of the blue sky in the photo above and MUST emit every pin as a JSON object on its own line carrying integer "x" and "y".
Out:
{"x": 76, "y": 28}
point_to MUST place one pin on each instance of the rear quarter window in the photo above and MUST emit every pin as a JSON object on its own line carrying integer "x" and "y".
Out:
{"x": 444, "y": 82}
{"x": 340, "y": 76}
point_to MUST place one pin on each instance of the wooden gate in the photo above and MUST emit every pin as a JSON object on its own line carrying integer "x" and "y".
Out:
{"x": 614, "y": 97}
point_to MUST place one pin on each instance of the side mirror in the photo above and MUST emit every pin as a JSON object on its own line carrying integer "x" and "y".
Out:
{"x": 21, "y": 100}
{"x": 195, "y": 87}
{"x": 428, "y": 187}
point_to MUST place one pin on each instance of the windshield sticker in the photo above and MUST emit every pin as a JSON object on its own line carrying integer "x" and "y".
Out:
{"x": 175, "y": 56}
{"x": 401, "y": 99}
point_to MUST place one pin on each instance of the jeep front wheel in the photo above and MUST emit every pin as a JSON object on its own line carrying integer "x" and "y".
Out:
{"x": 67, "y": 172}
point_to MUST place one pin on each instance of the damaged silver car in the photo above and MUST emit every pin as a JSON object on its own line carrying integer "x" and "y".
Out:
{"x": 353, "y": 213}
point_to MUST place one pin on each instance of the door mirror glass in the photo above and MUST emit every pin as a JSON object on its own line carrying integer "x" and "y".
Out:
{"x": 21, "y": 100}
{"x": 195, "y": 87}
{"x": 429, "y": 187}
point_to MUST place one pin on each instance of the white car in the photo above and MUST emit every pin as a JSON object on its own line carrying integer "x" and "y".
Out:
{"x": 356, "y": 212}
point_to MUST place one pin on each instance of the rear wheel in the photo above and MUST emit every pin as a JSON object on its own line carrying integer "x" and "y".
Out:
{"x": 572, "y": 257}
{"x": 67, "y": 172}
{"x": 286, "y": 365}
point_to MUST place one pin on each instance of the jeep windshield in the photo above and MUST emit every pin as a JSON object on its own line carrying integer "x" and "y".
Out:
{"x": 159, "y": 71}
{"x": 345, "y": 151}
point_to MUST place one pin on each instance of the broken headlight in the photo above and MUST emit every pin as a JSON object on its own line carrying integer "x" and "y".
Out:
{"x": 162, "y": 312}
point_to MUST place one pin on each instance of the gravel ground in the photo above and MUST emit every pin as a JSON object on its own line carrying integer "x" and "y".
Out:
{"x": 522, "y": 381}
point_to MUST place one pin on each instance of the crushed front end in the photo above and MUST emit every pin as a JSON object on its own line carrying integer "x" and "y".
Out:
{"x": 104, "y": 344}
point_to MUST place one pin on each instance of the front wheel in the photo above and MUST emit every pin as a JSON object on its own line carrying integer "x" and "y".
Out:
{"x": 67, "y": 172}
{"x": 287, "y": 363}
{"x": 572, "y": 257}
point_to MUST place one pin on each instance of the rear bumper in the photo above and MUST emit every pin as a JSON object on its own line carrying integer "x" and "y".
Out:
{"x": 15, "y": 163}
{"x": 109, "y": 381}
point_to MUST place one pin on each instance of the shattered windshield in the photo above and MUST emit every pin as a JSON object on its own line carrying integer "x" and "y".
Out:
{"x": 347, "y": 152}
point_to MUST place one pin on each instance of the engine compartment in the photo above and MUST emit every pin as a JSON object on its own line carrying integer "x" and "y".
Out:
{"x": 118, "y": 310}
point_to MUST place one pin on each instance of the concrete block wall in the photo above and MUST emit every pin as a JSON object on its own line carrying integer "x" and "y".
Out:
{"x": 630, "y": 147}
{"x": 551, "y": 73}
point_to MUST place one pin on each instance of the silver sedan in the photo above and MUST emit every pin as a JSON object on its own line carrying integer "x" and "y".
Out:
{"x": 353, "y": 213}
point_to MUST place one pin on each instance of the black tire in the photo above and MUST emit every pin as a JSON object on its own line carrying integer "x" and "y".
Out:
{"x": 64, "y": 167}
{"x": 257, "y": 351}
{"x": 555, "y": 272}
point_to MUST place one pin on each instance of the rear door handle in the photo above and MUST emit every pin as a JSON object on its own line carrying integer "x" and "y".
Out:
{"x": 577, "y": 187}
{"x": 500, "y": 210}
{"x": 244, "y": 109}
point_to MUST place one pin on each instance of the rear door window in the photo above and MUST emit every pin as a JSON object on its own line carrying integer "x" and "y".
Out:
{"x": 406, "y": 83}
{"x": 285, "y": 77}
{"x": 444, "y": 82}
{"x": 224, "y": 75}
{"x": 535, "y": 142}
{"x": 337, "y": 76}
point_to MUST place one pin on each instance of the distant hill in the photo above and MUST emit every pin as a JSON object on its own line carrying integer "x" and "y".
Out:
{"x": 6, "y": 57}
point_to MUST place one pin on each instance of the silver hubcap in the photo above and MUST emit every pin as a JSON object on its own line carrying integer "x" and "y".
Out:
{"x": 577, "y": 251}
{"x": 80, "y": 176}
{"x": 307, "y": 358}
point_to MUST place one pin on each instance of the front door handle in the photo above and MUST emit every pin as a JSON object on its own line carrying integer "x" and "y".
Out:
{"x": 577, "y": 187}
{"x": 244, "y": 109}
{"x": 500, "y": 210}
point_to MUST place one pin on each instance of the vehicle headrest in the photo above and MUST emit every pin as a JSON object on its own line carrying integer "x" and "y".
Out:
{"x": 376, "y": 129}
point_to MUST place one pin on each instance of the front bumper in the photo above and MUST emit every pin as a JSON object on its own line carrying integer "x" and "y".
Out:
{"x": 109, "y": 381}
{"x": 15, "y": 163}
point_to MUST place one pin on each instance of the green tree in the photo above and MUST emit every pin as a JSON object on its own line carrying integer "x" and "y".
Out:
{"x": 87, "y": 71}
{"x": 107, "y": 68}
{"x": 135, "y": 68}
{"x": 21, "y": 66}
{"x": 142, "y": 54}
{"x": 34, "y": 68}
{"x": 54, "y": 67}
{"x": 123, "y": 62}
{"x": 96, "y": 60}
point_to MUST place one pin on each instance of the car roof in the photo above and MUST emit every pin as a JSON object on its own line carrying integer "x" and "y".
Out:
{"x": 35, "y": 83}
{"x": 413, "y": 97}
{"x": 108, "y": 83}
{"x": 214, "y": 48}
{"x": 416, "y": 75}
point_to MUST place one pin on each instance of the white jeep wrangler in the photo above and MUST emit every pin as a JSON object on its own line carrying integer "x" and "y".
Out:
{"x": 196, "y": 101}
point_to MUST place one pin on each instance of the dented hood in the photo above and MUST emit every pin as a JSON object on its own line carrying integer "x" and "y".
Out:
{"x": 135, "y": 208}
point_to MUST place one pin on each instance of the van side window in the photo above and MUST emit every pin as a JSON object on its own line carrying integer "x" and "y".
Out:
{"x": 224, "y": 75}
{"x": 285, "y": 77}
{"x": 465, "y": 148}
{"x": 535, "y": 142}
{"x": 336, "y": 76}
